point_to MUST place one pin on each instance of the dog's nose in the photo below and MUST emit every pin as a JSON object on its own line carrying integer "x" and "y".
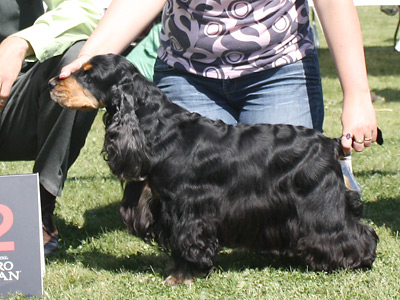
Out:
{"x": 53, "y": 83}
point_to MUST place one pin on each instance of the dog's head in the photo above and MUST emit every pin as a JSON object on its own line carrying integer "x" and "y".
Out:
{"x": 110, "y": 81}
{"x": 93, "y": 85}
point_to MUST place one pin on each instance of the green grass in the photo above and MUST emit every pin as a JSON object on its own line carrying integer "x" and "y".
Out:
{"x": 98, "y": 259}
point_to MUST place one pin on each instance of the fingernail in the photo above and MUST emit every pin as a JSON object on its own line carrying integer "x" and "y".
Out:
{"x": 62, "y": 75}
{"x": 2, "y": 103}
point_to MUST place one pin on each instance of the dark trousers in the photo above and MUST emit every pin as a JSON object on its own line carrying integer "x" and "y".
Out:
{"x": 33, "y": 127}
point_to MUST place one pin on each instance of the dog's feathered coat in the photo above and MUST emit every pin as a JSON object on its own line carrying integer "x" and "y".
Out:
{"x": 195, "y": 185}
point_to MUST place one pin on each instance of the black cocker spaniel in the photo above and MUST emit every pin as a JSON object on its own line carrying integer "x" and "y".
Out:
{"x": 195, "y": 185}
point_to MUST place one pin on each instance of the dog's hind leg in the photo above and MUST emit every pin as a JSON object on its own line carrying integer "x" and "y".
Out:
{"x": 194, "y": 246}
{"x": 335, "y": 237}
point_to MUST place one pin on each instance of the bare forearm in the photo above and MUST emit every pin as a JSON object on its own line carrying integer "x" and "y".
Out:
{"x": 341, "y": 26}
{"x": 18, "y": 46}
{"x": 342, "y": 29}
{"x": 13, "y": 51}
{"x": 123, "y": 21}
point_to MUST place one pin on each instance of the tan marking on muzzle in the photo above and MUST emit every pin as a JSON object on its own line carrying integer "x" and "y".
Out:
{"x": 70, "y": 94}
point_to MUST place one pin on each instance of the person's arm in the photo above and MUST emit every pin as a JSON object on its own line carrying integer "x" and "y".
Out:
{"x": 342, "y": 29}
{"x": 65, "y": 23}
{"x": 13, "y": 51}
{"x": 55, "y": 31}
{"x": 123, "y": 21}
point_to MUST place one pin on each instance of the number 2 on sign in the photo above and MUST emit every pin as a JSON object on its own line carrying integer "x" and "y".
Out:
{"x": 6, "y": 224}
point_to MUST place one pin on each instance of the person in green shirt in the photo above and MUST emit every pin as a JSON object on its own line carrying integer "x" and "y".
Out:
{"x": 34, "y": 45}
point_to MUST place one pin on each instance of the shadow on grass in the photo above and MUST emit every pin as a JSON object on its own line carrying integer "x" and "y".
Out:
{"x": 155, "y": 263}
{"x": 109, "y": 177}
{"x": 97, "y": 221}
{"x": 380, "y": 61}
{"x": 370, "y": 173}
{"x": 387, "y": 95}
{"x": 106, "y": 219}
{"x": 139, "y": 263}
{"x": 384, "y": 212}
{"x": 159, "y": 262}
{"x": 237, "y": 260}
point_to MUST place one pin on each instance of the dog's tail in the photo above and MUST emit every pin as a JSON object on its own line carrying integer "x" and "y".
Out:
{"x": 359, "y": 250}
{"x": 339, "y": 240}
{"x": 345, "y": 163}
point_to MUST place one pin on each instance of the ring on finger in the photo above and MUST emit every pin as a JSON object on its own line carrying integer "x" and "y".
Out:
{"x": 359, "y": 141}
{"x": 347, "y": 136}
{"x": 367, "y": 139}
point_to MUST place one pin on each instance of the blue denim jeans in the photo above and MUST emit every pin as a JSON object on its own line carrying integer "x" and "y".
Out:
{"x": 290, "y": 94}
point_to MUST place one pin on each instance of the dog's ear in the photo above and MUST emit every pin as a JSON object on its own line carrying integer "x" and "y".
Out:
{"x": 125, "y": 143}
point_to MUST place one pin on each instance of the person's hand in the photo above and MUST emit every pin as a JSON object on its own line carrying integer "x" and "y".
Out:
{"x": 74, "y": 66}
{"x": 13, "y": 51}
{"x": 359, "y": 124}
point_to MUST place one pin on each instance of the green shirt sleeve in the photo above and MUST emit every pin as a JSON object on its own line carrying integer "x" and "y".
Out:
{"x": 63, "y": 24}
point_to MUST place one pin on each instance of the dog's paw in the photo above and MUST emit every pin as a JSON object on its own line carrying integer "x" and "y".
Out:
{"x": 176, "y": 279}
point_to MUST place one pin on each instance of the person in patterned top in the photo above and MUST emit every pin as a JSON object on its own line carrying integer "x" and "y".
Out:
{"x": 250, "y": 61}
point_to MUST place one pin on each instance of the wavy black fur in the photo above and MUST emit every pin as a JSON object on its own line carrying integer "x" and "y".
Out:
{"x": 195, "y": 184}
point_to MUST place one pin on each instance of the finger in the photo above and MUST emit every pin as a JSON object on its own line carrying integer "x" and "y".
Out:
{"x": 64, "y": 74}
{"x": 3, "y": 103}
{"x": 358, "y": 144}
{"x": 69, "y": 69}
{"x": 74, "y": 66}
{"x": 5, "y": 90}
{"x": 370, "y": 138}
{"x": 347, "y": 143}
{"x": 367, "y": 141}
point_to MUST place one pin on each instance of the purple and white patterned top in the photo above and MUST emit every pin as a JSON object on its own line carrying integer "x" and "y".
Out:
{"x": 230, "y": 38}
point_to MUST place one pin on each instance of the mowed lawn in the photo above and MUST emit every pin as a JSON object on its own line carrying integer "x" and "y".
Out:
{"x": 98, "y": 259}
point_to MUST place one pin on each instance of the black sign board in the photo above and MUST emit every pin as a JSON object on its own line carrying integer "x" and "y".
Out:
{"x": 21, "y": 242}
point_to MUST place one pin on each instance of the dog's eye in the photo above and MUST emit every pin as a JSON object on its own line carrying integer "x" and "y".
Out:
{"x": 88, "y": 79}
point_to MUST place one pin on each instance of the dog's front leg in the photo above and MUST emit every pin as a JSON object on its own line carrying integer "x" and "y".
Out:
{"x": 180, "y": 273}
{"x": 194, "y": 246}
{"x": 135, "y": 210}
